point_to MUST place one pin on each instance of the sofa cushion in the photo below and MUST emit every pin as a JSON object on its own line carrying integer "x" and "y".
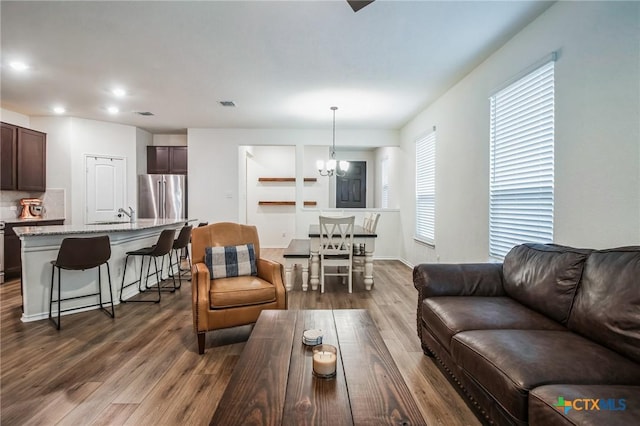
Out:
{"x": 595, "y": 405}
{"x": 607, "y": 304}
{"x": 544, "y": 277}
{"x": 509, "y": 363}
{"x": 230, "y": 261}
{"x": 447, "y": 316}
{"x": 240, "y": 291}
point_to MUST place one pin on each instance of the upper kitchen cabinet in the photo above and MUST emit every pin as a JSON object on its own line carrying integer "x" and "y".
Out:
{"x": 8, "y": 156}
{"x": 23, "y": 159}
{"x": 167, "y": 160}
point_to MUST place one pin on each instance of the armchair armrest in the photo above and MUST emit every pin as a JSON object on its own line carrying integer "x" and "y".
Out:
{"x": 271, "y": 271}
{"x": 200, "y": 284}
{"x": 464, "y": 279}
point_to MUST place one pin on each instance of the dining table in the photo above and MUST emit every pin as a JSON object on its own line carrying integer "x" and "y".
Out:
{"x": 366, "y": 241}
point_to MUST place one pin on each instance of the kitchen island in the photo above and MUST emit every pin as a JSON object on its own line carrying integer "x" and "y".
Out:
{"x": 40, "y": 245}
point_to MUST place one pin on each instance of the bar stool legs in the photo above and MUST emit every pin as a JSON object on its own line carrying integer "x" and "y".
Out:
{"x": 180, "y": 243}
{"x": 162, "y": 248}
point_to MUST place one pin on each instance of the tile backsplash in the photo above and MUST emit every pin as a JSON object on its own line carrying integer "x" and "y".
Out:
{"x": 53, "y": 201}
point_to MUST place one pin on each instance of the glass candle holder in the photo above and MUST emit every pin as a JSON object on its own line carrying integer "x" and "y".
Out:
{"x": 324, "y": 361}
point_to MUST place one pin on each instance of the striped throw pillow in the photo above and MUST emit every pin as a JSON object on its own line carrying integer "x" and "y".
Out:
{"x": 231, "y": 261}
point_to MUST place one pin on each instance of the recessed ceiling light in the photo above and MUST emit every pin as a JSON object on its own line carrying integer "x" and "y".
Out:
{"x": 119, "y": 92}
{"x": 59, "y": 109}
{"x": 19, "y": 65}
{"x": 113, "y": 110}
{"x": 227, "y": 103}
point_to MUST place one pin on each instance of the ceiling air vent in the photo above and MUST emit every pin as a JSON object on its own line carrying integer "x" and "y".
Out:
{"x": 227, "y": 103}
{"x": 145, "y": 113}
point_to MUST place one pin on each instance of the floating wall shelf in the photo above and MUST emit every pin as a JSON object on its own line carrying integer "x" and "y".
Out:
{"x": 285, "y": 179}
{"x": 285, "y": 203}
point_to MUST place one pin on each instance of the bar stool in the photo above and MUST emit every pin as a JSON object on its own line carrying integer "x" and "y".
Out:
{"x": 180, "y": 243}
{"x": 78, "y": 254}
{"x": 160, "y": 249}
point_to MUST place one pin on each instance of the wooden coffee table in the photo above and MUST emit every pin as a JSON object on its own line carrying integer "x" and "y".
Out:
{"x": 273, "y": 382}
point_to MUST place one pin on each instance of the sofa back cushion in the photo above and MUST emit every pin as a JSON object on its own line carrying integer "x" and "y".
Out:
{"x": 544, "y": 277}
{"x": 607, "y": 305}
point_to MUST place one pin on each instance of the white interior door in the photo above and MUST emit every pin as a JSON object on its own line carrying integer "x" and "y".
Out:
{"x": 105, "y": 189}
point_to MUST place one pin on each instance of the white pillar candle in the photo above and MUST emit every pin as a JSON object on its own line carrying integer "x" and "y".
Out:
{"x": 324, "y": 360}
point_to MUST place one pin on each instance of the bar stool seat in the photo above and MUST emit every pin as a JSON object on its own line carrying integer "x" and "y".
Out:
{"x": 79, "y": 254}
{"x": 160, "y": 249}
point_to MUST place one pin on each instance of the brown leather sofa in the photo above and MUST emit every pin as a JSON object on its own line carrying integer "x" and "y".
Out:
{"x": 551, "y": 325}
{"x": 229, "y": 302}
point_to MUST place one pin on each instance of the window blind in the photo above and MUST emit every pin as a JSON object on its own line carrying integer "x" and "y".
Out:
{"x": 385, "y": 183}
{"x": 521, "y": 170}
{"x": 426, "y": 188}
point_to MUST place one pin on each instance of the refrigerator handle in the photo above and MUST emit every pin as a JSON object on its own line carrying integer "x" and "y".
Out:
{"x": 160, "y": 201}
{"x": 164, "y": 199}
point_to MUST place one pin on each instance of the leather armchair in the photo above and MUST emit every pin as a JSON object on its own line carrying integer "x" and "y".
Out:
{"x": 233, "y": 301}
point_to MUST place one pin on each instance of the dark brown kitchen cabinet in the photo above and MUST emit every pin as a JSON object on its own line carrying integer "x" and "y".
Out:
{"x": 8, "y": 156}
{"x": 12, "y": 245}
{"x": 23, "y": 158}
{"x": 167, "y": 160}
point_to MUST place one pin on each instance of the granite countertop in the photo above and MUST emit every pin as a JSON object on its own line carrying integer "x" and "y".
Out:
{"x": 15, "y": 220}
{"x": 140, "y": 224}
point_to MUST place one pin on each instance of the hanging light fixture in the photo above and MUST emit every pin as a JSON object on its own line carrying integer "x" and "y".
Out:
{"x": 332, "y": 167}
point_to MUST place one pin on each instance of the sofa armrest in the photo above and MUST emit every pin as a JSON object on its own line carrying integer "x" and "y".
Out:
{"x": 271, "y": 271}
{"x": 464, "y": 279}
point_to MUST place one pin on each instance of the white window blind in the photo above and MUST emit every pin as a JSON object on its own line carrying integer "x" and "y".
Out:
{"x": 426, "y": 188}
{"x": 522, "y": 138}
{"x": 385, "y": 183}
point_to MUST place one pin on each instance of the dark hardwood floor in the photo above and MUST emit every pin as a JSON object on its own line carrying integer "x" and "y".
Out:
{"x": 143, "y": 367}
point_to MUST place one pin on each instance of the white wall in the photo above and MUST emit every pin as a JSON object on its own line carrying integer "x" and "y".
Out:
{"x": 597, "y": 137}
{"x": 276, "y": 224}
{"x": 323, "y": 190}
{"x": 101, "y": 138}
{"x": 69, "y": 139}
{"x": 59, "y": 132}
{"x": 14, "y": 118}
{"x": 214, "y": 186}
{"x": 143, "y": 139}
{"x": 393, "y": 154}
{"x": 169, "y": 140}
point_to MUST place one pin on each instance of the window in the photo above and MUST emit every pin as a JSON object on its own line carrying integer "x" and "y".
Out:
{"x": 426, "y": 188}
{"x": 385, "y": 183}
{"x": 521, "y": 170}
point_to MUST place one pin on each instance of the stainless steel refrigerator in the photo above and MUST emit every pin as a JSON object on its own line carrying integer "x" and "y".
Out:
{"x": 162, "y": 196}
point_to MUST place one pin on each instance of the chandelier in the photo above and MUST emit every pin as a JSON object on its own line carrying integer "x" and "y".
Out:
{"x": 331, "y": 166}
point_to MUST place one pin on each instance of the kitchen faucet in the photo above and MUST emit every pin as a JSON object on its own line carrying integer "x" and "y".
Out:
{"x": 130, "y": 213}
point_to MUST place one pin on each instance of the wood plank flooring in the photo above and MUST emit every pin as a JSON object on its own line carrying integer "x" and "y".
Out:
{"x": 143, "y": 367}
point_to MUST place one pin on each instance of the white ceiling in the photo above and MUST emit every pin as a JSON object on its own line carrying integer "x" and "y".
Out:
{"x": 284, "y": 63}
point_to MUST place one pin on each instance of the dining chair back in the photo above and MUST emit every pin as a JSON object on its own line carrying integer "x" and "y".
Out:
{"x": 336, "y": 242}
{"x": 371, "y": 221}
{"x": 370, "y": 224}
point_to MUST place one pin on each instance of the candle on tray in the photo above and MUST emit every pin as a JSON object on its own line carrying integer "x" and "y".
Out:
{"x": 324, "y": 360}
